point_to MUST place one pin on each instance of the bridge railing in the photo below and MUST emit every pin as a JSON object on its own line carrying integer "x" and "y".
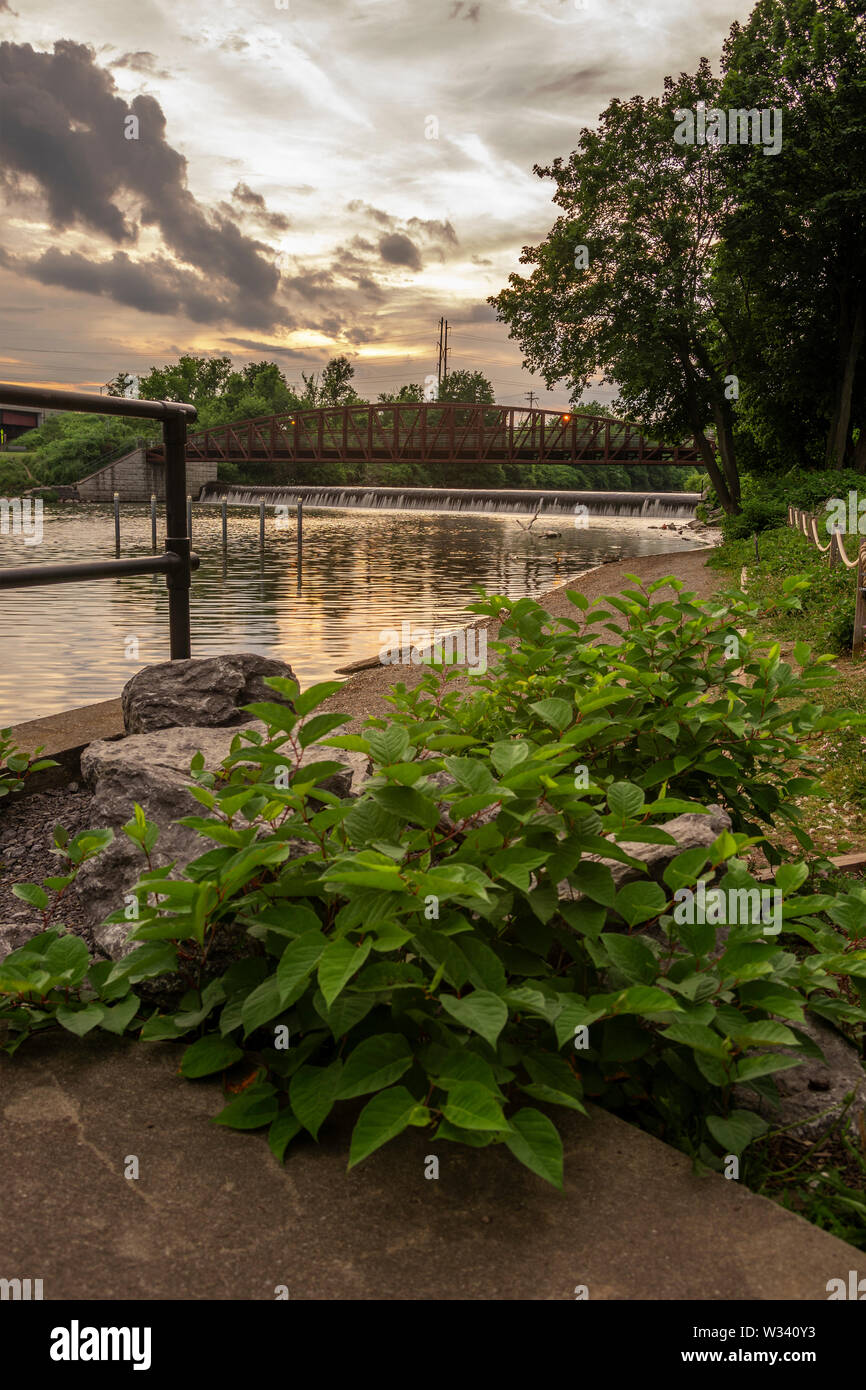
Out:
{"x": 178, "y": 561}
{"x": 807, "y": 523}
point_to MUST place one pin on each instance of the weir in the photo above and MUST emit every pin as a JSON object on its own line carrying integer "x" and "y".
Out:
{"x": 560, "y": 503}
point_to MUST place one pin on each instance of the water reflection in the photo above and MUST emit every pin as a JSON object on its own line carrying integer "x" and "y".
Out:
{"x": 363, "y": 572}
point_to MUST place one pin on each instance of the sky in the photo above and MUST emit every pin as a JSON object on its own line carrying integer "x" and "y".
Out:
{"x": 297, "y": 179}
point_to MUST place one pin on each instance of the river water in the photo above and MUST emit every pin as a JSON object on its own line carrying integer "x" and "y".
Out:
{"x": 363, "y": 572}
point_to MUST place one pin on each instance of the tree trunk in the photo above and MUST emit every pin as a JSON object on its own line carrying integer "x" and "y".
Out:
{"x": 724, "y": 430}
{"x": 852, "y": 328}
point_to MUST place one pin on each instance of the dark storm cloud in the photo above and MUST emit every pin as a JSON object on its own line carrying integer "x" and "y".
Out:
{"x": 64, "y": 128}
{"x": 255, "y": 204}
{"x": 397, "y": 249}
{"x": 142, "y": 61}
{"x": 439, "y": 232}
{"x": 269, "y": 349}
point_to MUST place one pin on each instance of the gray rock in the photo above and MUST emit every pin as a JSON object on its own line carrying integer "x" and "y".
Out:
{"x": 809, "y": 1091}
{"x": 207, "y": 691}
{"x": 690, "y": 831}
{"x": 152, "y": 769}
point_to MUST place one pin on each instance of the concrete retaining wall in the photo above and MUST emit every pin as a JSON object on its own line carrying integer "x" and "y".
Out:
{"x": 136, "y": 479}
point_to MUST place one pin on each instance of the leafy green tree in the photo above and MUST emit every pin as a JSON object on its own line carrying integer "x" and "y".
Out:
{"x": 623, "y": 283}
{"x": 471, "y": 388}
{"x": 410, "y": 391}
{"x": 192, "y": 379}
{"x": 120, "y": 385}
{"x": 792, "y": 270}
{"x": 333, "y": 387}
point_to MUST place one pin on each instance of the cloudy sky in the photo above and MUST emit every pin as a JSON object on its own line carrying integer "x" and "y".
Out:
{"x": 310, "y": 177}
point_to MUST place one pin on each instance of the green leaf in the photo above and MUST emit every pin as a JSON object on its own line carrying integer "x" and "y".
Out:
{"x": 267, "y": 1001}
{"x": 208, "y": 1055}
{"x": 300, "y": 959}
{"x": 382, "y": 1119}
{"x": 559, "y": 713}
{"x": 374, "y": 1064}
{"x": 340, "y": 961}
{"x": 631, "y": 956}
{"x": 764, "y": 1064}
{"x": 595, "y": 880}
{"x": 461, "y": 1065}
{"x": 506, "y": 754}
{"x": 638, "y": 902}
{"x": 252, "y": 1109}
{"x": 481, "y": 1011}
{"x": 624, "y": 799}
{"x": 736, "y": 1131}
{"x": 31, "y": 893}
{"x": 281, "y": 1133}
{"x": 764, "y": 1033}
{"x": 117, "y": 1019}
{"x": 535, "y": 1142}
{"x": 789, "y": 877}
{"x": 473, "y": 1106}
{"x": 316, "y": 695}
{"x": 698, "y": 1037}
{"x": 312, "y": 1093}
{"x": 388, "y": 745}
{"x": 80, "y": 1021}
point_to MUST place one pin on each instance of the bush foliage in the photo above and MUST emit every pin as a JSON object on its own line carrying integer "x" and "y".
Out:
{"x": 451, "y": 948}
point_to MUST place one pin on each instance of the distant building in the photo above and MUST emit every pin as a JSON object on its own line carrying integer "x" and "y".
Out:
{"x": 16, "y": 420}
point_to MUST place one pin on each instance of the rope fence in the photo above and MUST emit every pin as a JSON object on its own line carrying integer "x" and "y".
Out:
{"x": 834, "y": 549}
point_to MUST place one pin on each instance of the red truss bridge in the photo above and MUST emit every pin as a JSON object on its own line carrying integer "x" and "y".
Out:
{"x": 434, "y": 433}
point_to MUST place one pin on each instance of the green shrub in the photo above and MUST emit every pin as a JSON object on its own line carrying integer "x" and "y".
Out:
{"x": 413, "y": 951}
{"x": 16, "y": 766}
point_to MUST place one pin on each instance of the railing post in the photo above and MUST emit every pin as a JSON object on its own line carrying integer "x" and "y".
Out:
{"x": 176, "y": 537}
{"x": 153, "y": 522}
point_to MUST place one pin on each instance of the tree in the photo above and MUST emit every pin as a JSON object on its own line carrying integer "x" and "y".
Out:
{"x": 623, "y": 283}
{"x": 793, "y": 260}
{"x": 471, "y": 388}
{"x": 334, "y": 387}
{"x": 191, "y": 379}
{"x": 410, "y": 391}
{"x": 120, "y": 385}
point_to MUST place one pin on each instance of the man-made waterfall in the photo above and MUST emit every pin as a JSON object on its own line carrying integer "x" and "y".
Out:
{"x": 547, "y": 502}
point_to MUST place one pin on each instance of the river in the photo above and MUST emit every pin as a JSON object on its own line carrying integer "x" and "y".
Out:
{"x": 363, "y": 572}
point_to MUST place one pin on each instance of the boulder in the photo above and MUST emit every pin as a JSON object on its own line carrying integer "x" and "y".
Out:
{"x": 811, "y": 1095}
{"x": 204, "y": 691}
{"x": 152, "y": 769}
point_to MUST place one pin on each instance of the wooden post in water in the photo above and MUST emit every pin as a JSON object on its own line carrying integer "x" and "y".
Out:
{"x": 300, "y": 537}
{"x": 225, "y": 518}
{"x": 189, "y": 516}
{"x": 262, "y": 523}
{"x": 117, "y": 523}
{"x": 153, "y": 521}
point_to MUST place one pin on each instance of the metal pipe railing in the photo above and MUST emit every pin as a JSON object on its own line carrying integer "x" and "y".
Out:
{"x": 178, "y": 561}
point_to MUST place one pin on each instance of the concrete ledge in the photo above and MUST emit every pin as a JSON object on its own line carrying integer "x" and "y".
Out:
{"x": 213, "y": 1216}
{"x": 64, "y": 736}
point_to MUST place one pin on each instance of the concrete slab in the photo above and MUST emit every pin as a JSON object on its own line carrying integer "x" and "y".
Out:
{"x": 213, "y": 1216}
{"x": 64, "y": 736}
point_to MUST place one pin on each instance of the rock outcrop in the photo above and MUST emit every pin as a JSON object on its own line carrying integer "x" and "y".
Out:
{"x": 202, "y": 692}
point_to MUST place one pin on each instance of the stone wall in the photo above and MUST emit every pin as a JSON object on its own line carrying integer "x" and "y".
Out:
{"x": 136, "y": 479}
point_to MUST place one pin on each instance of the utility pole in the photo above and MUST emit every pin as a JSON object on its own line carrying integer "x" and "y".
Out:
{"x": 445, "y": 355}
{"x": 439, "y": 365}
{"x": 532, "y": 397}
